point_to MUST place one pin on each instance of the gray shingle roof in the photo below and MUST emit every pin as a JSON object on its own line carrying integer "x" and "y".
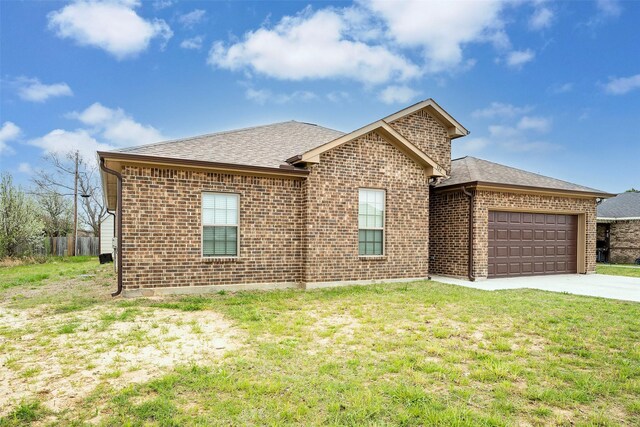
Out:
{"x": 470, "y": 169}
{"x": 266, "y": 146}
{"x": 624, "y": 205}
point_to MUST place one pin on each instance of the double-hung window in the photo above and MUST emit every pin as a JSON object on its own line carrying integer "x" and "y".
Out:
{"x": 371, "y": 222}
{"x": 220, "y": 224}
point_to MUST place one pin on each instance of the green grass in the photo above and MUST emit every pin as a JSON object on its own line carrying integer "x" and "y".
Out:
{"x": 614, "y": 270}
{"x": 53, "y": 267}
{"x": 25, "y": 414}
{"x": 422, "y": 353}
{"x": 404, "y": 354}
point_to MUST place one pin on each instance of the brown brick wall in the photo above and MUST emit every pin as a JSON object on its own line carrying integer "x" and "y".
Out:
{"x": 624, "y": 241}
{"x": 449, "y": 234}
{"x": 332, "y": 213}
{"x": 487, "y": 200}
{"x": 162, "y": 229}
{"x": 428, "y": 134}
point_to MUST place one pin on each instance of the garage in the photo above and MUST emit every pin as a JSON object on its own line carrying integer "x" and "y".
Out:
{"x": 528, "y": 244}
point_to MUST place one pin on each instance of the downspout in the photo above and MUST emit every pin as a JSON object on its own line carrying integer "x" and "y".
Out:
{"x": 471, "y": 197}
{"x": 118, "y": 223}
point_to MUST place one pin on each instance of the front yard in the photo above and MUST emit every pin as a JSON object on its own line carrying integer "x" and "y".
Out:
{"x": 421, "y": 353}
{"x": 619, "y": 270}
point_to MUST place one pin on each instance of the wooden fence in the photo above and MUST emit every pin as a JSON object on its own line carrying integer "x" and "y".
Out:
{"x": 63, "y": 246}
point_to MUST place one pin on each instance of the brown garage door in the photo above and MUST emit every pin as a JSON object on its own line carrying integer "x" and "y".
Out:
{"x": 527, "y": 244}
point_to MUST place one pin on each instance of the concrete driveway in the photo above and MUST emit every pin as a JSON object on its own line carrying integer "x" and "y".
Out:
{"x": 593, "y": 285}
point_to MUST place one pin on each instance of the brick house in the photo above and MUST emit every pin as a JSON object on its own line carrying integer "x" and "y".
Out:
{"x": 618, "y": 229}
{"x": 299, "y": 205}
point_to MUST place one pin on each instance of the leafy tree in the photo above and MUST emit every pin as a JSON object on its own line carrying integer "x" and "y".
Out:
{"x": 56, "y": 213}
{"x": 632, "y": 190}
{"x": 20, "y": 225}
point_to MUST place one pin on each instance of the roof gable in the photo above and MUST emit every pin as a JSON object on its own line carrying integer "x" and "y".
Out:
{"x": 387, "y": 132}
{"x": 453, "y": 127}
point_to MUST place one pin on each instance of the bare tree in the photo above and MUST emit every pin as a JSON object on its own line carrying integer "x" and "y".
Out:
{"x": 60, "y": 179}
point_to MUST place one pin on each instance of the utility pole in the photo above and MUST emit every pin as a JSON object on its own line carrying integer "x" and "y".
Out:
{"x": 75, "y": 210}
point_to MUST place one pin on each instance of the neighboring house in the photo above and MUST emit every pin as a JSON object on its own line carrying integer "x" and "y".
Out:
{"x": 619, "y": 229}
{"x": 299, "y": 205}
{"x": 107, "y": 233}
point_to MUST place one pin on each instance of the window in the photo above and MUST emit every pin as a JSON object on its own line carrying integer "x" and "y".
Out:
{"x": 220, "y": 224}
{"x": 371, "y": 222}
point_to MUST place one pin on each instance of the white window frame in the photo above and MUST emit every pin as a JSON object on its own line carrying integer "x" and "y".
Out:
{"x": 384, "y": 220}
{"x": 203, "y": 225}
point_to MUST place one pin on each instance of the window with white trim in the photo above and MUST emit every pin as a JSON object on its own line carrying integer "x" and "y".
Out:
{"x": 220, "y": 224}
{"x": 371, "y": 222}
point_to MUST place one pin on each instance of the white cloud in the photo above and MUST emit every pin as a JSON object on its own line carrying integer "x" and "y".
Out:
{"x": 31, "y": 89}
{"x": 194, "y": 43}
{"x": 472, "y": 144}
{"x": 542, "y": 18}
{"x": 441, "y": 28}
{"x": 318, "y": 46}
{"x": 622, "y": 85}
{"x": 263, "y": 96}
{"x": 110, "y": 25}
{"x": 162, "y": 4}
{"x": 609, "y": 8}
{"x": 516, "y": 131}
{"x": 8, "y": 132}
{"x": 25, "y": 168}
{"x": 338, "y": 96}
{"x": 397, "y": 94}
{"x": 538, "y": 124}
{"x": 188, "y": 20}
{"x": 517, "y": 58}
{"x": 93, "y": 115}
{"x": 499, "y": 110}
{"x": 117, "y": 127}
{"x": 61, "y": 141}
{"x": 107, "y": 128}
{"x": 561, "y": 88}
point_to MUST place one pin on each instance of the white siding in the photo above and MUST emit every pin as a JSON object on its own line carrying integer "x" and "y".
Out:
{"x": 107, "y": 234}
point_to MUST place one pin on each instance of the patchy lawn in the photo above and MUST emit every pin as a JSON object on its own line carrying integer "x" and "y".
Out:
{"x": 420, "y": 353}
{"x": 618, "y": 270}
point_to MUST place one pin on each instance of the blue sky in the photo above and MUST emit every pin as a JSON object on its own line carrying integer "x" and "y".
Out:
{"x": 550, "y": 87}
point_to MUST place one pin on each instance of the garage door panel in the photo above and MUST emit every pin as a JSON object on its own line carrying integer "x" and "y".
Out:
{"x": 523, "y": 243}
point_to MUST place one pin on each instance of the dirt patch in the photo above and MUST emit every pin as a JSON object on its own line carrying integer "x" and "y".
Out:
{"x": 59, "y": 359}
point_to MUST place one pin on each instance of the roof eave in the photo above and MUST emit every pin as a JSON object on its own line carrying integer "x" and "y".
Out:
{"x": 484, "y": 185}
{"x": 611, "y": 219}
{"x": 284, "y": 170}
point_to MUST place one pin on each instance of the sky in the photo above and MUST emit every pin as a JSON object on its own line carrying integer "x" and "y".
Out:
{"x": 549, "y": 87}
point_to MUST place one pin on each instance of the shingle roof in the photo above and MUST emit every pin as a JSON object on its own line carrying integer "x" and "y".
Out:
{"x": 266, "y": 146}
{"x": 624, "y": 205}
{"x": 470, "y": 169}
